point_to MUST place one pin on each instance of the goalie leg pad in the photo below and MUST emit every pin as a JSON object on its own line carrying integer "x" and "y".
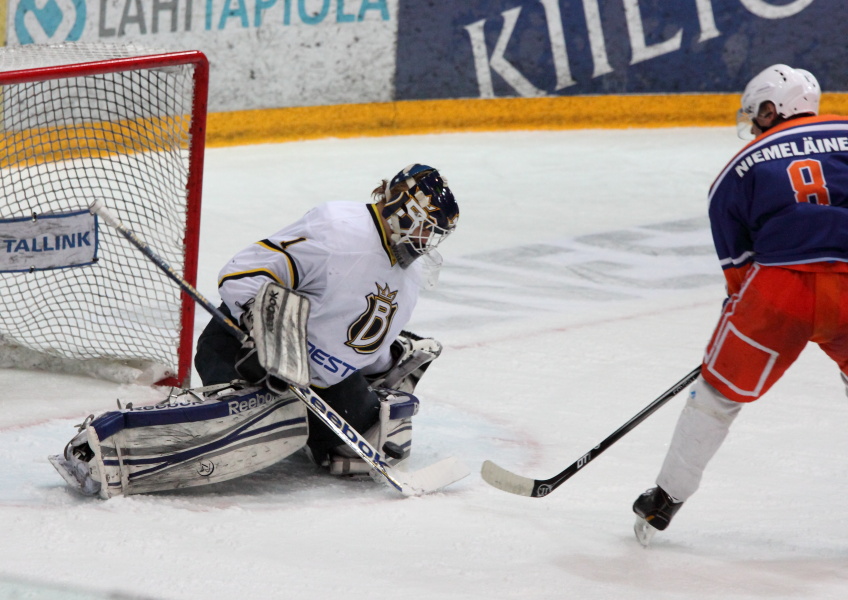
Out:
{"x": 189, "y": 441}
{"x": 392, "y": 434}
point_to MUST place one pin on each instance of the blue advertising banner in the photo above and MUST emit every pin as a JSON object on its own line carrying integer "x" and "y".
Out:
{"x": 503, "y": 48}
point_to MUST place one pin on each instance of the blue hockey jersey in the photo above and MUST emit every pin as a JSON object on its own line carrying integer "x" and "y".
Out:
{"x": 783, "y": 200}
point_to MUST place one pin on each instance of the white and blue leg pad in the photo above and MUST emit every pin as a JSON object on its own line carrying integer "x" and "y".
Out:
{"x": 189, "y": 441}
{"x": 392, "y": 434}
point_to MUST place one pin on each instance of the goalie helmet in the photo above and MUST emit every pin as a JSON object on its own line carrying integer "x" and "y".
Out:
{"x": 421, "y": 212}
{"x": 793, "y": 92}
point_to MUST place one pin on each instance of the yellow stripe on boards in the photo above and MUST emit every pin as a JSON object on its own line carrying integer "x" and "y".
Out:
{"x": 91, "y": 140}
{"x": 380, "y": 119}
{"x": 499, "y": 114}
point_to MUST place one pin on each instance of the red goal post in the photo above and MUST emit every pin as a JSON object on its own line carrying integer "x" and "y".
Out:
{"x": 125, "y": 125}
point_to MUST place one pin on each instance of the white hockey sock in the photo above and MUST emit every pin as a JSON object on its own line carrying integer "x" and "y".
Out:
{"x": 699, "y": 433}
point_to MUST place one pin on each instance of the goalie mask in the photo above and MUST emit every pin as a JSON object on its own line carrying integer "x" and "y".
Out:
{"x": 421, "y": 212}
{"x": 792, "y": 91}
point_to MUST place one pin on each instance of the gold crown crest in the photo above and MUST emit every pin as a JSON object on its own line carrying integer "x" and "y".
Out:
{"x": 385, "y": 293}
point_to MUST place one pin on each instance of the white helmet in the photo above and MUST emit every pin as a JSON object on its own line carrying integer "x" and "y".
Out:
{"x": 793, "y": 92}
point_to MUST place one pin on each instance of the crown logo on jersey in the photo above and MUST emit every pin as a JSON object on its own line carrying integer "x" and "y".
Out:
{"x": 385, "y": 293}
{"x": 368, "y": 331}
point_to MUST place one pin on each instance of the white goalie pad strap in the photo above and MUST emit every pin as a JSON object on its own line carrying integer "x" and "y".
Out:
{"x": 194, "y": 441}
{"x": 396, "y": 412}
{"x": 279, "y": 331}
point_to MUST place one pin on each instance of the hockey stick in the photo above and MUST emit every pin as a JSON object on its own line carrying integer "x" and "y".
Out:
{"x": 98, "y": 208}
{"x": 537, "y": 488}
{"x": 426, "y": 480}
{"x": 423, "y": 481}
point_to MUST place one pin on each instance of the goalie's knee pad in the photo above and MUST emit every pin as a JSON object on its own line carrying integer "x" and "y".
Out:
{"x": 391, "y": 436}
{"x": 412, "y": 354}
{"x": 186, "y": 441}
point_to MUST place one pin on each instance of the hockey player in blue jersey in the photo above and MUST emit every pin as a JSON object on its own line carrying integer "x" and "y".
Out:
{"x": 779, "y": 218}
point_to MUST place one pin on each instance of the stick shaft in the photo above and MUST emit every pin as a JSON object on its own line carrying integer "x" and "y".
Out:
{"x": 98, "y": 208}
{"x": 619, "y": 433}
{"x": 507, "y": 481}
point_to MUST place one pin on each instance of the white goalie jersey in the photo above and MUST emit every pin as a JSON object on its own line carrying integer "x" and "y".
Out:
{"x": 339, "y": 256}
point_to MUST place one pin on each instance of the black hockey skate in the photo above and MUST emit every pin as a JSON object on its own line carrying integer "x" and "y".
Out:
{"x": 654, "y": 511}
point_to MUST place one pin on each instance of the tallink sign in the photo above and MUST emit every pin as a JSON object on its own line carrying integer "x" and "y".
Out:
{"x": 502, "y": 48}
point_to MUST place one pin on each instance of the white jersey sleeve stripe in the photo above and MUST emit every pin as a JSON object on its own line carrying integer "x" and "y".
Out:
{"x": 292, "y": 269}
{"x": 251, "y": 273}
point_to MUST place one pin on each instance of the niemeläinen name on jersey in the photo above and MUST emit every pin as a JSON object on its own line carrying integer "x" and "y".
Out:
{"x": 790, "y": 149}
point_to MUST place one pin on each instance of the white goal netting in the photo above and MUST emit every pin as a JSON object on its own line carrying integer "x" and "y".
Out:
{"x": 85, "y": 122}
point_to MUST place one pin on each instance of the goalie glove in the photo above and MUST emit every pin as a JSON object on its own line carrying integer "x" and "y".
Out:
{"x": 411, "y": 356}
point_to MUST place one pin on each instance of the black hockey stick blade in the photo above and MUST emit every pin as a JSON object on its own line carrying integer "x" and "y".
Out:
{"x": 508, "y": 481}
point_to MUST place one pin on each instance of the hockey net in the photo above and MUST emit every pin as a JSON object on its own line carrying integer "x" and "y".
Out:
{"x": 126, "y": 125}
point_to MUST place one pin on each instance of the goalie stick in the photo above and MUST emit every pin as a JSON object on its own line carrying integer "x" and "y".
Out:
{"x": 537, "y": 488}
{"x": 423, "y": 481}
{"x": 98, "y": 208}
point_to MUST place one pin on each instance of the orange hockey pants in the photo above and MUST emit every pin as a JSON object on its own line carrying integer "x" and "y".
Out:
{"x": 765, "y": 326}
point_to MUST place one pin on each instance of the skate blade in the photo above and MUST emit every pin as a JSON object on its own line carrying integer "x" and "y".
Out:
{"x": 644, "y": 531}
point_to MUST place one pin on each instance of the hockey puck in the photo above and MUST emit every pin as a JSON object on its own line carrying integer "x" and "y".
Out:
{"x": 392, "y": 450}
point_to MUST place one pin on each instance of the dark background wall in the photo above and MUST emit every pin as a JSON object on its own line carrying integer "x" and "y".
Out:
{"x": 575, "y": 47}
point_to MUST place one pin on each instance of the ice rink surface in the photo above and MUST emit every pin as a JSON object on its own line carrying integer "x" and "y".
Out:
{"x": 580, "y": 284}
